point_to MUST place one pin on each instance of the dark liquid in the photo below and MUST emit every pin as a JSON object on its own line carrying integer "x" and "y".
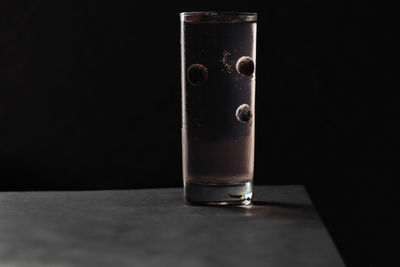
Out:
{"x": 218, "y": 147}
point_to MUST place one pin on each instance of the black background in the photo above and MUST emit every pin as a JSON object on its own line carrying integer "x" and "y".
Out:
{"x": 90, "y": 99}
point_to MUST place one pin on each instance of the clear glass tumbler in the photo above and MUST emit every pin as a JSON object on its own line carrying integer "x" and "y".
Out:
{"x": 218, "y": 56}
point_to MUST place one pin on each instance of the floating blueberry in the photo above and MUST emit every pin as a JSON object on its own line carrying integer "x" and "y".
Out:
{"x": 243, "y": 113}
{"x": 197, "y": 74}
{"x": 245, "y": 66}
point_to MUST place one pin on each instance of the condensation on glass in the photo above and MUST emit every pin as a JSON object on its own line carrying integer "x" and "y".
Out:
{"x": 218, "y": 67}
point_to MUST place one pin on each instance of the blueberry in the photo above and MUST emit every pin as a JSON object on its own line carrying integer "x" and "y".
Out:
{"x": 197, "y": 74}
{"x": 245, "y": 66}
{"x": 243, "y": 113}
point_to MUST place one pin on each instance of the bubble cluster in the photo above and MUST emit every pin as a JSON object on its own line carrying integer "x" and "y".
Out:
{"x": 225, "y": 62}
{"x": 243, "y": 113}
{"x": 245, "y": 66}
{"x": 197, "y": 74}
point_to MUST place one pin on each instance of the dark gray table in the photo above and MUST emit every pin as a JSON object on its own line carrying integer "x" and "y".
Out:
{"x": 153, "y": 227}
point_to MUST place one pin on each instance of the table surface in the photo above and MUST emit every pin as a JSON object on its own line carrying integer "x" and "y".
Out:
{"x": 153, "y": 227}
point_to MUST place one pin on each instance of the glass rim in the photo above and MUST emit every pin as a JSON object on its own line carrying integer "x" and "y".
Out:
{"x": 216, "y": 16}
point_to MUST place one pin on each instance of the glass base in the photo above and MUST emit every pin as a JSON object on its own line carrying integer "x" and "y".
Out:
{"x": 235, "y": 194}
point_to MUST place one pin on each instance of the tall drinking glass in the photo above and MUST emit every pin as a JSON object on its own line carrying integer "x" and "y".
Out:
{"x": 218, "y": 56}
